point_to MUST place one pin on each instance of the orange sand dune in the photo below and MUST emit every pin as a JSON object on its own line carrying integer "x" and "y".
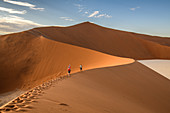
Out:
{"x": 131, "y": 88}
{"x": 110, "y": 41}
{"x": 28, "y": 60}
{"x": 32, "y": 57}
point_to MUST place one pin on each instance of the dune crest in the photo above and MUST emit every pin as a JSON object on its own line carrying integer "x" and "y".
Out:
{"x": 33, "y": 60}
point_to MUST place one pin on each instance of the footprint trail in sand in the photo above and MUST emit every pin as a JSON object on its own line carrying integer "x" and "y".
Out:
{"x": 21, "y": 103}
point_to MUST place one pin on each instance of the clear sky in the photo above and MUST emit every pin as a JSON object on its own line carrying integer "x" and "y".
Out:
{"x": 141, "y": 16}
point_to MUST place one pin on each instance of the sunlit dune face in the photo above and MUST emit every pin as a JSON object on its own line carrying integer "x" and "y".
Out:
{"x": 43, "y": 59}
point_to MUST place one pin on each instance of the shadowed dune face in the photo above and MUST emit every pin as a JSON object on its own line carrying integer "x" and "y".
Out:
{"x": 131, "y": 88}
{"x": 18, "y": 57}
{"x": 160, "y": 40}
{"x": 28, "y": 60}
{"x": 110, "y": 41}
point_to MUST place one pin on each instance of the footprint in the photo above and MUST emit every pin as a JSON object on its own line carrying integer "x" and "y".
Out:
{"x": 15, "y": 108}
{"x": 18, "y": 100}
{"x": 27, "y": 102}
{"x": 20, "y": 105}
{"x": 2, "y": 109}
{"x": 21, "y": 110}
{"x": 10, "y": 106}
{"x": 29, "y": 107}
{"x": 8, "y": 109}
{"x": 63, "y": 104}
{"x": 34, "y": 101}
{"x": 24, "y": 96}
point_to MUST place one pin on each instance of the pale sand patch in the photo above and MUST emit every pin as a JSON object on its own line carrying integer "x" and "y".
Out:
{"x": 6, "y": 97}
{"x": 160, "y": 66}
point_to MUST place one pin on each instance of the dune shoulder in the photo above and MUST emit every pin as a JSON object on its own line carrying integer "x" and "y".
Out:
{"x": 131, "y": 88}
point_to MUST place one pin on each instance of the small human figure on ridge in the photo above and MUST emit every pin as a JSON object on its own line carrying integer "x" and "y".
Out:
{"x": 81, "y": 67}
{"x": 69, "y": 70}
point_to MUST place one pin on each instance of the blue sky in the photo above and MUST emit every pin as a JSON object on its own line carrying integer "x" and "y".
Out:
{"x": 141, "y": 16}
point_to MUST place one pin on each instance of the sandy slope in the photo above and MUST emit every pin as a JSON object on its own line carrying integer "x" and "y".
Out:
{"x": 110, "y": 41}
{"x": 131, "y": 88}
{"x": 28, "y": 60}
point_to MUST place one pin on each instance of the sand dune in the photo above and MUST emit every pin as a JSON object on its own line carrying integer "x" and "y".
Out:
{"x": 33, "y": 57}
{"x": 110, "y": 41}
{"x": 28, "y": 60}
{"x": 106, "y": 90}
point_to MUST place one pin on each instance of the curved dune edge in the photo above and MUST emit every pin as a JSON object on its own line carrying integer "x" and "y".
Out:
{"x": 34, "y": 60}
{"x": 131, "y": 88}
{"x": 56, "y": 57}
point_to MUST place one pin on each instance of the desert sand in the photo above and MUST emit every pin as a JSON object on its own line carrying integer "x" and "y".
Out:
{"x": 102, "y": 90}
{"x": 27, "y": 61}
{"x": 160, "y": 66}
{"x": 36, "y": 59}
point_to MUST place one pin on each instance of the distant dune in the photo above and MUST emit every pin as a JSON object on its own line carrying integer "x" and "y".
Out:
{"x": 28, "y": 60}
{"x": 110, "y": 41}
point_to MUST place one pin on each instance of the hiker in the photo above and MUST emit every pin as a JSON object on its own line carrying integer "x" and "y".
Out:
{"x": 69, "y": 70}
{"x": 80, "y": 67}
